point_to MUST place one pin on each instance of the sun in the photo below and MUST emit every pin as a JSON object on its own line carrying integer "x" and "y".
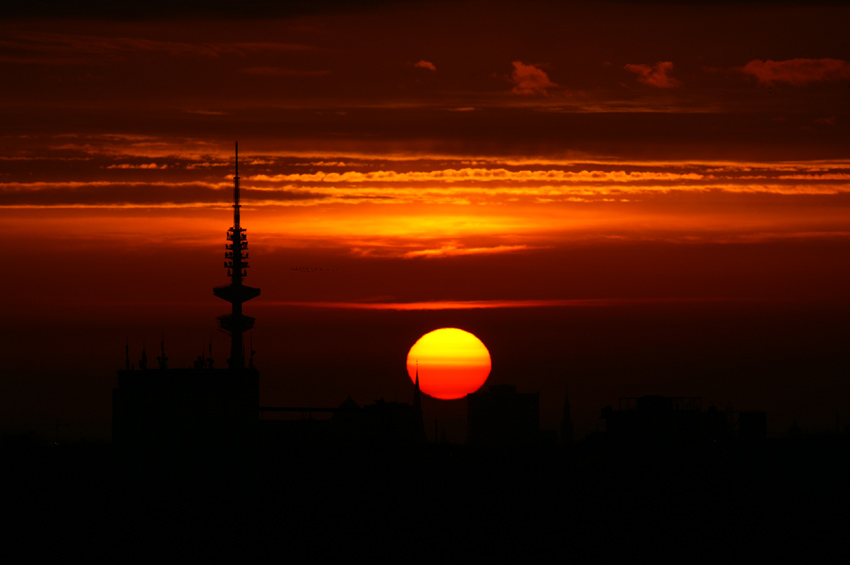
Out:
{"x": 451, "y": 363}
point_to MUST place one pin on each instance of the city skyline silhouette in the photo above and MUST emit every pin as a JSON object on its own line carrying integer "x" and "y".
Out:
{"x": 647, "y": 227}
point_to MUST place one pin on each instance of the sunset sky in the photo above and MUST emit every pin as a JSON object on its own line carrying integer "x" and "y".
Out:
{"x": 618, "y": 198}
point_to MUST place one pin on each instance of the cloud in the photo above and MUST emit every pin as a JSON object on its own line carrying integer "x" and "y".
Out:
{"x": 206, "y": 112}
{"x": 797, "y": 71}
{"x": 109, "y": 194}
{"x": 657, "y": 75}
{"x": 450, "y": 304}
{"x": 133, "y": 166}
{"x": 68, "y": 48}
{"x": 282, "y": 72}
{"x": 423, "y": 64}
{"x": 528, "y": 79}
{"x": 454, "y": 251}
{"x": 223, "y": 10}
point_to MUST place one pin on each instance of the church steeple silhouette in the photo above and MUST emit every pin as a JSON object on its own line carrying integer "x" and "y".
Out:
{"x": 236, "y": 262}
{"x": 417, "y": 408}
{"x": 417, "y": 394}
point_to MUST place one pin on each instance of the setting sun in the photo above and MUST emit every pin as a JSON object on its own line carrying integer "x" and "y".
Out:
{"x": 451, "y": 363}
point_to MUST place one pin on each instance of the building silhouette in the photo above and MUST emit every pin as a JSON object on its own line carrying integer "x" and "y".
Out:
{"x": 654, "y": 418}
{"x": 382, "y": 424}
{"x": 752, "y": 425}
{"x": 502, "y": 416}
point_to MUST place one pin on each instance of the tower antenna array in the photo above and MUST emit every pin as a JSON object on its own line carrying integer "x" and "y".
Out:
{"x": 236, "y": 262}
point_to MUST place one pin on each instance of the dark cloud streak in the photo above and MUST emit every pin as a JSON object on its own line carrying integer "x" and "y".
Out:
{"x": 137, "y": 194}
{"x": 182, "y": 9}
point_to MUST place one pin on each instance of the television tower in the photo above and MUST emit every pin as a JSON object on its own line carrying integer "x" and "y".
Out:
{"x": 236, "y": 262}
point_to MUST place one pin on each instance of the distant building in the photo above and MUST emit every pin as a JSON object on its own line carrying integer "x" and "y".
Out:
{"x": 502, "y": 416}
{"x": 380, "y": 424}
{"x": 389, "y": 423}
{"x": 656, "y": 418}
{"x": 752, "y": 425}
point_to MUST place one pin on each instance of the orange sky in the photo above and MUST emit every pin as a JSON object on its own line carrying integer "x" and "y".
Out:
{"x": 408, "y": 155}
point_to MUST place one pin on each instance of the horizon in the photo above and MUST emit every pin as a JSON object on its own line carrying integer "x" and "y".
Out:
{"x": 614, "y": 201}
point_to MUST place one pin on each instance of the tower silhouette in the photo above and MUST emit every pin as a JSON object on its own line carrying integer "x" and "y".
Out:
{"x": 236, "y": 263}
{"x": 201, "y": 420}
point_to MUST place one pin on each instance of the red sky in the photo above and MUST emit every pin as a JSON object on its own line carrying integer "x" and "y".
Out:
{"x": 618, "y": 198}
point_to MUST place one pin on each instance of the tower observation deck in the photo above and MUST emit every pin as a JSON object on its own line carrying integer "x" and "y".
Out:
{"x": 236, "y": 262}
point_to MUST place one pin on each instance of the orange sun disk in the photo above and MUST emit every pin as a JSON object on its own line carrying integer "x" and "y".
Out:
{"x": 451, "y": 363}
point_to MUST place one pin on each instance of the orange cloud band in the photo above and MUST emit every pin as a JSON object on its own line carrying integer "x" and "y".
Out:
{"x": 477, "y": 174}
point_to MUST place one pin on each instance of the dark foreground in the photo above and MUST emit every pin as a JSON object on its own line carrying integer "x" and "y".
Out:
{"x": 436, "y": 503}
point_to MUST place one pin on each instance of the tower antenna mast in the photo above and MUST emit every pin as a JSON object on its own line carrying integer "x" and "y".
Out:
{"x": 236, "y": 262}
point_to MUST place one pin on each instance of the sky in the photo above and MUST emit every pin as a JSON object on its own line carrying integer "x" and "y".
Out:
{"x": 617, "y": 198}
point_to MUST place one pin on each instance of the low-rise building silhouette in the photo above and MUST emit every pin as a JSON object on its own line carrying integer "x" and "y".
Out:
{"x": 655, "y": 418}
{"x": 752, "y": 425}
{"x": 380, "y": 424}
{"x": 503, "y": 416}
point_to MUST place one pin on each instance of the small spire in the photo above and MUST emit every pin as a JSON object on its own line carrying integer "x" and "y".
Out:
{"x": 162, "y": 358}
{"x": 126, "y": 353}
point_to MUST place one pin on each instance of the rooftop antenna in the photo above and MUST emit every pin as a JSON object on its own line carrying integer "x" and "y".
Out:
{"x": 236, "y": 262}
{"x": 126, "y": 353}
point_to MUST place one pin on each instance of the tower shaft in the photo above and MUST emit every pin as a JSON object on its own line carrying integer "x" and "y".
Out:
{"x": 236, "y": 262}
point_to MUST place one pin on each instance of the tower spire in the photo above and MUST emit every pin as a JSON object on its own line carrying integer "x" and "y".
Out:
{"x": 236, "y": 263}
